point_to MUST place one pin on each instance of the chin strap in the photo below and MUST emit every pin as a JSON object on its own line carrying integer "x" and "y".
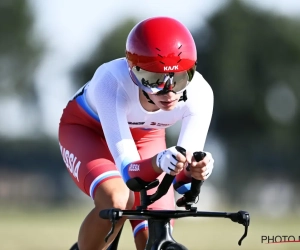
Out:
{"x": 182, "y": 98}
{"x": 148, "y": 98}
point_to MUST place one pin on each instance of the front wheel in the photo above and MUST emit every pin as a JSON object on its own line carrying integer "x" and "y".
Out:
{"x": 175, "y": 246}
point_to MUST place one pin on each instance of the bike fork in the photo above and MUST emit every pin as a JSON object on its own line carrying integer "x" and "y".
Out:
{"x": 159, "y": 233}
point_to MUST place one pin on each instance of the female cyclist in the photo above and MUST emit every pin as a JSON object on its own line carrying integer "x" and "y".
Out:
{"x": 113, "y": 129}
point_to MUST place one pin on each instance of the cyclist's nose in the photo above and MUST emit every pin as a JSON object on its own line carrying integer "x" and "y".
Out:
{"x": 166, "y": 92}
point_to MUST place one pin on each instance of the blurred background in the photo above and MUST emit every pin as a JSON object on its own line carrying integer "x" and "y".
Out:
{"x": 249, "y": 52}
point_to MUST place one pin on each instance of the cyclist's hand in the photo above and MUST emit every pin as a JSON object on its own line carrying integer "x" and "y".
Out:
{"x": 170, "y": 161}
{"x": 202, "y": 170}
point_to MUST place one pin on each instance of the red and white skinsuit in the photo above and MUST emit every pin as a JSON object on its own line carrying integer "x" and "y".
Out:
{"x": 105, "y": 133}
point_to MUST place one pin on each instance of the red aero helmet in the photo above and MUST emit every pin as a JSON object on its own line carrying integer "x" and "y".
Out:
{"x": 161, "y": 45}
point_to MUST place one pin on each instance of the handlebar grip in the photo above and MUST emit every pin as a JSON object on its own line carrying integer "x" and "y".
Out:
{"x": 105, "y": 214}
{"x": 199, "y": 155}
{"x": 181, "y": 150}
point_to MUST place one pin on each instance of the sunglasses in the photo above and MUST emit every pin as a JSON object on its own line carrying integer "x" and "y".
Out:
{"x": 159, "y": 83}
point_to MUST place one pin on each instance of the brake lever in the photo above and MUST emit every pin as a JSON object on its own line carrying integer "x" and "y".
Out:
{"x": 243, "y": 236}
{"x": 241, "y": 217}
{"x": 111, "y": 231}
{"x": 246, "y": 222}
{"x": 113, "y": 217}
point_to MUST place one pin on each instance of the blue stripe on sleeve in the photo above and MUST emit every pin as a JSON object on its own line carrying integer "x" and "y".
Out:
{"x": 124, "y": 168}
{"x": 83, "y": 103}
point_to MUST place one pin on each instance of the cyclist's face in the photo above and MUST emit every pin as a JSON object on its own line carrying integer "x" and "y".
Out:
{"x": 166, "y": 101}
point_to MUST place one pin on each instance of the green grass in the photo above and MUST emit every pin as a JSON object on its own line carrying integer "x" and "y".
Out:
{"x": 57, "y": 229}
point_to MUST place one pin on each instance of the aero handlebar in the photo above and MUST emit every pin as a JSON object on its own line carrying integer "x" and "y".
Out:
{"x": 189, "y": 198}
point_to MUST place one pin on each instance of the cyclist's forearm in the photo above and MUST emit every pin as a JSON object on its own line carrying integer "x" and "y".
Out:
{"x": 145, "y": 169}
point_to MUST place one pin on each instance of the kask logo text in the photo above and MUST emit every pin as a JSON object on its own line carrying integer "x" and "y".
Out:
{"x": 175, "y": 67}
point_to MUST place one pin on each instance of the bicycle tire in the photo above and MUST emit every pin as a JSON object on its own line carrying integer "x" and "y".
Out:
{"x": 175, "y": 246}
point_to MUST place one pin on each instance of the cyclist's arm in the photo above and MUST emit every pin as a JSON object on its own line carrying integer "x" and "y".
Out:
{"x": 111, "y": 102}
{"x": 196, "y": 121}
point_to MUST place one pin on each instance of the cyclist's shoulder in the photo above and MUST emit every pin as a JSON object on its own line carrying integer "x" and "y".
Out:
{"x": 114, "y": 66}
{"x": 114, "y": 72}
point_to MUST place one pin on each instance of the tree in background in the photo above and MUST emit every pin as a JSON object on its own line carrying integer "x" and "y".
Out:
{"x": 20, "y": 52}
{"x": 252, "y": 60}
{"x": 19, "y": 49}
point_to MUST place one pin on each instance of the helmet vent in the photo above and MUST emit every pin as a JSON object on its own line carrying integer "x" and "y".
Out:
{"x": 158, "y": 49}
{"x": 180, "y": 46}
{"x": 179, "y": 54}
